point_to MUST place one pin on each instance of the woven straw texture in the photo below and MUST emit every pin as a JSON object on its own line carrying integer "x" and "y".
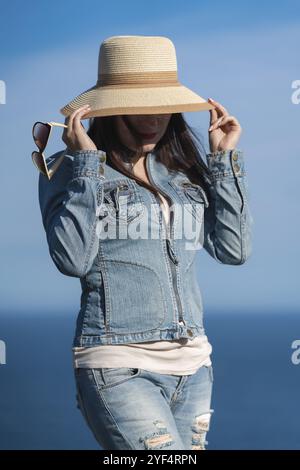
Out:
{"x": 137, "y": 75}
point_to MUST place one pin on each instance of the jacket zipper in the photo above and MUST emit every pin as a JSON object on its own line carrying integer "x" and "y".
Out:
{"x": 170, "y": 250}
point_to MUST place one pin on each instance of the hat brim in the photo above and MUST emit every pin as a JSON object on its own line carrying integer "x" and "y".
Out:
{"x": 108, "y": 101}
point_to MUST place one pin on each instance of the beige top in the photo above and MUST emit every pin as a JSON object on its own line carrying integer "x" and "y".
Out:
{"x": 178, "y": 357}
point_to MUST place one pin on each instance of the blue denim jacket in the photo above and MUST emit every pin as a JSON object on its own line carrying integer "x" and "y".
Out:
{"x": 137, "y": 274}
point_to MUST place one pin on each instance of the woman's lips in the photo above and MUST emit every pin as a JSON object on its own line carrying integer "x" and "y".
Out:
{"x": 148, "y": 136}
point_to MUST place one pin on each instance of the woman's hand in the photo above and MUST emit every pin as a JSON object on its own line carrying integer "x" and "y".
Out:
{"x": 224, "y": 131}
{"x": 75, "y": 136}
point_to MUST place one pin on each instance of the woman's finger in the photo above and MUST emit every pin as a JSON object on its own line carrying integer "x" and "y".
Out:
{"x": 213, "y": 113}
{"x": 225, "y": 120}
{"x": 68, "y": 134}
{"x": 72, "y": 117}
{"x": 213, "y": 116}
{"x": 221, "y": 110}
{"x": 215, "y": 124}
{"x": 77, "y": 124}
{"x": 231, "y": 120}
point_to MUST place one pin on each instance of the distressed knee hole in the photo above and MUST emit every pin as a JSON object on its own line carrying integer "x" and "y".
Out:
{"x": 159, "y": 439}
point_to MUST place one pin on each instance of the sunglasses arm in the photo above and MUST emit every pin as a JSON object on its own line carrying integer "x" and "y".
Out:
{"x": 56, "y": 124}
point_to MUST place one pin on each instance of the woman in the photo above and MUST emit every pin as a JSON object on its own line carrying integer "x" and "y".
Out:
{"x": 126, "y": 212}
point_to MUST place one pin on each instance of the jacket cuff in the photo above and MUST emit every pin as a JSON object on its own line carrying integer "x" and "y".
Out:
{"x": 88, "y": 163}
{"x": 226, "y": 163}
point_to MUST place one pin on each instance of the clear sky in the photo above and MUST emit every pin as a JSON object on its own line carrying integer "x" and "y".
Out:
{"x": 244, "y": 55}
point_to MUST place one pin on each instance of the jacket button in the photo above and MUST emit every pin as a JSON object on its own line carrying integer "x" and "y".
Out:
{"x": 101, "y": 170}
{"x": 236, "y": 167}
{"x": 235, "y": 156}
{"x": 189, "y": 332}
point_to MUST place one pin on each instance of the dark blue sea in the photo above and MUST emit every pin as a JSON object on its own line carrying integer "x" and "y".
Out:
{"x": 256, "y": 385}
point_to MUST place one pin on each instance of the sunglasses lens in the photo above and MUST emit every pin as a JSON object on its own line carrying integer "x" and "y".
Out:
{"x": 39, "y": 162}
{"x": 41, "y": 133}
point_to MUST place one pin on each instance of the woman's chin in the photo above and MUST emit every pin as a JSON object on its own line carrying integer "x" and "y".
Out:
{"x": 148, "y": 147}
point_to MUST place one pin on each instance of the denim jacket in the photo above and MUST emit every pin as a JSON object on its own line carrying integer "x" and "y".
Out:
{"x": 137, "y": 274}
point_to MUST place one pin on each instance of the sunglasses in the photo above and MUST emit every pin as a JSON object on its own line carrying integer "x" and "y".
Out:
{"x": 41, "y": 132}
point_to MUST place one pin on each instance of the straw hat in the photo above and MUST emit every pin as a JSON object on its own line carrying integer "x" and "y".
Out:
{"x": 137, "y": 75}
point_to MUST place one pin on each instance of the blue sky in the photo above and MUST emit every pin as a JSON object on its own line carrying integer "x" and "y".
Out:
{"x": 245, "y": 56}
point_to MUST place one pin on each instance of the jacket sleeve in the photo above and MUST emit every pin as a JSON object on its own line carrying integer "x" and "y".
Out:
{"x": 69, "y": 204}
{"x": 227, "y": 220}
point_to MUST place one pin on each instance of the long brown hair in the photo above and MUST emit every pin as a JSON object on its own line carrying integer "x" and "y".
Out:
{"x": 179, "y": 149}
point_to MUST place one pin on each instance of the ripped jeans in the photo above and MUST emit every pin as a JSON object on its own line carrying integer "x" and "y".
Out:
{"x": 132, "y": 408}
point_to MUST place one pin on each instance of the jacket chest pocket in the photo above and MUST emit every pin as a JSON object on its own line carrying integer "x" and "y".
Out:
{"x": 122, "y": 202}
{"x": 192, "y": 196}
